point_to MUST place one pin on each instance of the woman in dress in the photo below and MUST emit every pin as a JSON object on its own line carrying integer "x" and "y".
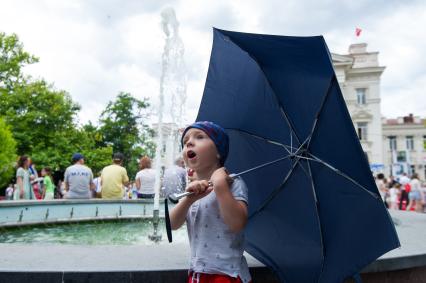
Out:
{"x": 24, "y": 189}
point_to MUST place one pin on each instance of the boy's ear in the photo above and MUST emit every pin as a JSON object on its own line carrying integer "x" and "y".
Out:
{"x": 218, "y": 156}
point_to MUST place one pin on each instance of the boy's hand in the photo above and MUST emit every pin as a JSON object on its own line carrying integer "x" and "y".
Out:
{"x": 221, "y": 179}
{"x": 199, "y": 188}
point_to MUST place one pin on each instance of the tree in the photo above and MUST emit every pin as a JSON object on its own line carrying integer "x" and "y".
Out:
{"x": 97, "y": 155}
{"x": 7, "y": 154}
{"x": 42, "y": 118}
{"x": 12, "y": 59}
{"x": 121, "y": 125}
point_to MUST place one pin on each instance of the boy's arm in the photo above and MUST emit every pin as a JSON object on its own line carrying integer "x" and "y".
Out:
{"x": 234, "y": 212}
{"x": 178, "y": 213}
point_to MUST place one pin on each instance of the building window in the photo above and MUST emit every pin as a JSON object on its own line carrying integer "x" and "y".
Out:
{"x": 409, "y": 140}
{"x": 402, "y": 156}
{"x": 360, "y": 96}
{"x": 392, "y": 142}
{"x": 362, "y": 130}
{"x": 413, "y": 169}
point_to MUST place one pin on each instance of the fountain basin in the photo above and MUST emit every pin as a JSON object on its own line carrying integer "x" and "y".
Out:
{"x": 165, "y": 262}
{"x": 33, "y": 212}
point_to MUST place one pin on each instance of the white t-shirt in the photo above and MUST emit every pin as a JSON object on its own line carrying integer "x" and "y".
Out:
{"x": 382, "y": 188}
{"x": 79, "y": 178}
{"x": 97, "y": 182}
{"x": 214, "y": 248}
{"x": 146, "y": 178}
{"x": 174, "y": 180}
{"x": 393, "y": 193}
{"x": 9, "y": 192}
{"x": 415, "y": 185}
{"x": 404, "y": 180}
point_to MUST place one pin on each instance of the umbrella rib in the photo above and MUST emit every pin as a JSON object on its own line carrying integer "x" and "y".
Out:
{"x": 290, "y": 126}
{"x": 337, "y": 171}
{"x": 277, "y": 190}
{"x": 319, "y": 111}
{"x": 261, "y": 138}
{"x": 318, "y": 218}
{"x": 303, "y": 168}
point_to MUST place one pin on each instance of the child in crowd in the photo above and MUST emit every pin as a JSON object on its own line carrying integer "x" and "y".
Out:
{"x": 216, "y": 212}
{"x": 48, "y": 187}
{"x": 9, "y": 192}
{"x": 394, "y": 196}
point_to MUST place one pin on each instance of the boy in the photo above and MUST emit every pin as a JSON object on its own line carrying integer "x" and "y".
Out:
{"x": 216, "y": 213}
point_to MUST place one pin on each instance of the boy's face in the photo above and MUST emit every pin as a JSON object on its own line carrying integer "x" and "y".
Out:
{"x": 199, "y": 151}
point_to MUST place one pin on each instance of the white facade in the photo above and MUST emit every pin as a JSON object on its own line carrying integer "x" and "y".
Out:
{"x": 404, "y": 141}
{"x": 358, "y": 74}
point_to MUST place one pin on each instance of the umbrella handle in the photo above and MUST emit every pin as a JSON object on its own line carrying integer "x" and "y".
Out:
{"x": 174, "y": 198}
{"x": 167, "y": 219}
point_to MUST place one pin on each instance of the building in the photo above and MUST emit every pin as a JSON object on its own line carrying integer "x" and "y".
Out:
{"x": 392, "y": 146}
{"x": 358, "y": 74}
{"x": 404, "y": 149}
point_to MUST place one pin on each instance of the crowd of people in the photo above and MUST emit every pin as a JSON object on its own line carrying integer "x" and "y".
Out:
{"x": 402, "y": 193}
{"x": 79, "y": 182}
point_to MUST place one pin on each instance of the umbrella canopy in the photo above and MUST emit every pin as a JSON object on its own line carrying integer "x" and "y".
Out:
{"x": 315, "y": 216}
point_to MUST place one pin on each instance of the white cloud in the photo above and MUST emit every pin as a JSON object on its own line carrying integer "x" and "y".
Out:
{"x": 95, "y": 49}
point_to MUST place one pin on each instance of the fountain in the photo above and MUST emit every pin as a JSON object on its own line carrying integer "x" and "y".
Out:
{"x": 172, "y": 85}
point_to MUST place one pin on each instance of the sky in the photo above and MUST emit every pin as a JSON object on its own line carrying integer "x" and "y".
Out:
{"x": 94, "y": 49}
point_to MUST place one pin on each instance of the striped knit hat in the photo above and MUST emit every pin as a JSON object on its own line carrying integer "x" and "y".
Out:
{"x": 216, "y": 133}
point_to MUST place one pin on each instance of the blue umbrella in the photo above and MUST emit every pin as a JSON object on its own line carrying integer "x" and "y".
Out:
{"x": 315, "y": 216}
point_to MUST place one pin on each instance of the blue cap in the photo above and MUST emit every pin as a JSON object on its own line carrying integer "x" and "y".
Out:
{"x": 77, "y": 156}
{"x": 216, "y": 133}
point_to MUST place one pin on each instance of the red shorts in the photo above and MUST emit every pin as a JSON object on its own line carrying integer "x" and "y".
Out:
{"x": 212, "y": 278}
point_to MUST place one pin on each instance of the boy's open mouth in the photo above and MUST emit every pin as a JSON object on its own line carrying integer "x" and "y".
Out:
{"x": 191, "y": 154}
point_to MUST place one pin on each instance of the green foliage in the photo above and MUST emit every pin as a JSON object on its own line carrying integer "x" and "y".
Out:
{"x": 7, "y": 154}
{"x": 42, "y": 121}
{"x": 40, "y": 116}
{"x": 121, "y": 125}
{"x": 12, "y": 59}
{"x": 98, "y": 158}
{"x": 96, "y": 155}
{"x": 69, "y": 142}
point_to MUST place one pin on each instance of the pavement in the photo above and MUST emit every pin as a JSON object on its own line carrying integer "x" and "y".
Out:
{"x": 411, "y": 228}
